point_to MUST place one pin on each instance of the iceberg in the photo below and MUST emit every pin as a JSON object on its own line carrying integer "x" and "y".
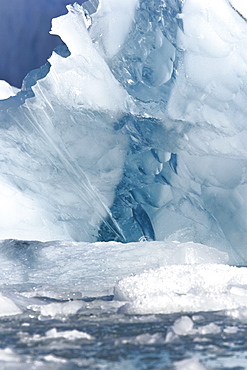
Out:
{"x": 133, "y": 130}
{"x": 123, "y": 191}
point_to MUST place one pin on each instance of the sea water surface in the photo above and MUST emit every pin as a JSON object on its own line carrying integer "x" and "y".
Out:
{"x": 98, "y": 337}
{"x": 149, "y": 305}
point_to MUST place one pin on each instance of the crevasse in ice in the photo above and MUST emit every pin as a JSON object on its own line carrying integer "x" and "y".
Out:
{"x": 136, "y": 130}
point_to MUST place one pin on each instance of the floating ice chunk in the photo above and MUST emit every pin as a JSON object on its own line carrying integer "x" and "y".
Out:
{"x": 8, "y": 355}
{"x": 8, "y": 307}
{"x": 52, "y": 358}
{"x": 142, "y": 339}
{"x": 231, "y": 330}
{"x": 183, "y": 325}
{"x": 183, "y": 289}
{"x": 238, "y": 314}
{"x": 211, "y": 328}
{"x": 189, "y": 364}
{"x": 69, "y": 334}
{"x": 59, "y": 309}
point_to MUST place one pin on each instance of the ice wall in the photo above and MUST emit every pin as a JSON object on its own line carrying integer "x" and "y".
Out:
{"x": 61, "y": 152}
{"x": 136, "y": 131}
{"x": 185, "y": 171}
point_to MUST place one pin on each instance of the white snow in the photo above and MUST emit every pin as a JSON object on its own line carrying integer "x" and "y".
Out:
{"x": 188, "y": 288}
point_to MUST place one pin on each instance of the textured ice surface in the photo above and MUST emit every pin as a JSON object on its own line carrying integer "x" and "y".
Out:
{"x": 68, "y": 147}
{"x": 63, "y": 269}
{"x": 136, "y": 128}
{"x": 51, "y": 318}
{"x": 145, "y": 278}
{"x": 184, "y": 288}
{"x": 184, "y": 277}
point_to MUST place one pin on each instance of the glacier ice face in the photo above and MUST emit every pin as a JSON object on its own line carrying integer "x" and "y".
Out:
{"x": 135, "y": 131}
{"x": 68, "y": 163}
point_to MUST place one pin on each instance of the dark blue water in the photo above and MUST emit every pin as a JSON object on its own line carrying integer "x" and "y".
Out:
{"x": 116, "y": 341}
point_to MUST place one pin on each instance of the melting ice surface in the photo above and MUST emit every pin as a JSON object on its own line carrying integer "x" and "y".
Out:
{"x": 129, "y": 149}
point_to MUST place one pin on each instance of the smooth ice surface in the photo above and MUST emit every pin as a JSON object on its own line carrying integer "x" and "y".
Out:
{"x": 111, "y": 25}
{"x": 8, "y": 307}
{"x": 239, "y": 6}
